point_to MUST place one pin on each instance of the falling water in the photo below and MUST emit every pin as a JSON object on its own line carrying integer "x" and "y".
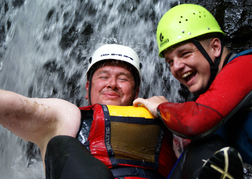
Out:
{"x": 44, "y": 47}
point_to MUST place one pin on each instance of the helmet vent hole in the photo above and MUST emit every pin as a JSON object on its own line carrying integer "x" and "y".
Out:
{"x": 199, "y": 16}
{"x": 183, "y": 31}
{"x": 180, "y": 22}
{"x": 186, "y": 20}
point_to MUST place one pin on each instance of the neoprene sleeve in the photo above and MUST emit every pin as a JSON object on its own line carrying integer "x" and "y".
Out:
{"x": 230, "y": 86}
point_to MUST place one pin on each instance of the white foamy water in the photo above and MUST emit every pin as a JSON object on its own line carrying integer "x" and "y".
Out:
{"x": 44, "y": 48}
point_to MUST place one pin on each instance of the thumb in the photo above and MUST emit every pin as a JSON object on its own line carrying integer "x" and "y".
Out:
{"x": 139, "y": 102}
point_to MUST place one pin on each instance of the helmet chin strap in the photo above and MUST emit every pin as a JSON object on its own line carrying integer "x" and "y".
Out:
{"x": 89, "y": 89}
{"x": 214, "y": 66}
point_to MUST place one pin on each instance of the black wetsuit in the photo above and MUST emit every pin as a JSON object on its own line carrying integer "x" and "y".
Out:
{"x": 67, "y": 158}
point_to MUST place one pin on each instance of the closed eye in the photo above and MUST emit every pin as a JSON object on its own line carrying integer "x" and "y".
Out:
{"x": 186, "y": 54}
{"x": 104, "y": 77}
{"x": 169, "y": 61}
{"x": 123, "y": 78}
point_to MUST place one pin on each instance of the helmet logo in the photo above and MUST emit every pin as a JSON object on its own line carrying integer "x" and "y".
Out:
{"x": 117, "y": 54}
{"x": 161, "y": 37}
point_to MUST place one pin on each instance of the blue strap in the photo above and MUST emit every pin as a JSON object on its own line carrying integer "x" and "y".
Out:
{"x": 246, "y": 52}
{"x": 175, "y": 165}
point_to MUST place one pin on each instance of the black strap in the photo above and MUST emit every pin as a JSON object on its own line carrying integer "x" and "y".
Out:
{"x": 133, "y": 171}
{"x": 227, "y": 58}
{"x": 203, "y": 51}
{"x": 108, "y": 136}
{"x": 214, "y": 66}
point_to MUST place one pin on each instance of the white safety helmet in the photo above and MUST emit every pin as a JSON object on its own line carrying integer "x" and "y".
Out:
{"x": 116, "y": 52}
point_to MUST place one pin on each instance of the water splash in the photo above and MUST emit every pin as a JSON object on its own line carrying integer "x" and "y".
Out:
{"x": 44, "y": 45}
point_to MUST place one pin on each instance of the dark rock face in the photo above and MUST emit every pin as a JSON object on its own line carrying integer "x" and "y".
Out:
{"x": 235, "y": 19}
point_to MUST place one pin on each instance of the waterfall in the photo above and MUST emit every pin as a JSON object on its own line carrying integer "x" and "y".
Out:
{"x": 44, "y": 48}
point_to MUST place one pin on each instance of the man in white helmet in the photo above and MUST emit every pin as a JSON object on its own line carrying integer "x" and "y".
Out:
{"x": 97, "y": 75}
{"x": 64, "y": 132}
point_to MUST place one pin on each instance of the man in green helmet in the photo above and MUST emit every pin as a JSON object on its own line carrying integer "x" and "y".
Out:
{"x": 191, "y": 41}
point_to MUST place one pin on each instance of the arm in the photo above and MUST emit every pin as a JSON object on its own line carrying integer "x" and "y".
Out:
{"x": 189, "y": 114}
{"x": 38, "y": 120}
{"x": 228, "y": 89}
{"x": 230, "y": 86}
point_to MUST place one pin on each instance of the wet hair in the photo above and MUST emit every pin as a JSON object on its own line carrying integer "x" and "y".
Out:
{"x": 208, "y": 37}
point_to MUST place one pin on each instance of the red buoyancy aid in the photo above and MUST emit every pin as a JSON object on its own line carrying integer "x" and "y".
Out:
{"x": 127, "y": 136}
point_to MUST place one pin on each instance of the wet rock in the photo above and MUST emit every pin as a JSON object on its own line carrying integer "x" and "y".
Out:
{"x": 235, "y": 19}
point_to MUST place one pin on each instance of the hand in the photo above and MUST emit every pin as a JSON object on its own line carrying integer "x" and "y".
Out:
{"x": 151, "y": 103}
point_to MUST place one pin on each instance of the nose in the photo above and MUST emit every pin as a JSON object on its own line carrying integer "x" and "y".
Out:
{"x": 112, "y": 83}
{"x": 177, "y": 64}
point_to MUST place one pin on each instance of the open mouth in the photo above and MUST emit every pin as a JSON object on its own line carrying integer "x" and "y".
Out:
{"x": 188, "y": 76}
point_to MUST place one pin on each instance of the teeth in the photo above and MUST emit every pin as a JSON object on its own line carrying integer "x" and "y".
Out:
{"x": 186, "y": 74}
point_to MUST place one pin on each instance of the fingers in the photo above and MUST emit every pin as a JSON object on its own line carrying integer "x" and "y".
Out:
{"x": 151, "y": 103}
{"x": 139, "y": 102}
{"x": 145, "y": 103}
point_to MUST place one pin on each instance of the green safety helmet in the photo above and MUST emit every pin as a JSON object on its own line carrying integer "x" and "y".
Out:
{"x": 184, "y": 22}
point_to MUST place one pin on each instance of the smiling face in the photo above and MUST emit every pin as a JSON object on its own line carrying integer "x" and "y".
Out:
{"x": 112, "y": 84}
{"x": 189, "y": 66}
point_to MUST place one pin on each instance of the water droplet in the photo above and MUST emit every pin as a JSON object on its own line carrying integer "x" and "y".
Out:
{"x": 1, "y": 65}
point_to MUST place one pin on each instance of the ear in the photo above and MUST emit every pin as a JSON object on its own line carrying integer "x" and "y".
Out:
{"x": 87, "y": 89}
{"x": 216, "y": 47}
{"x": 137, "y": 93}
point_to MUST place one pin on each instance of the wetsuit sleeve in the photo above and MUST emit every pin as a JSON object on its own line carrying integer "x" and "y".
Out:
{"x": 230, "y": 86}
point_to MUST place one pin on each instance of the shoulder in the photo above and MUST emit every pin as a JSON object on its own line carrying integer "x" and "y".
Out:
{"x": 242, "y": 54}
{"x": 239, "y": 62}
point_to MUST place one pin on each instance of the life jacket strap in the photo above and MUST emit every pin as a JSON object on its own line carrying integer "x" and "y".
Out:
{"x": 136, "y": 172}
